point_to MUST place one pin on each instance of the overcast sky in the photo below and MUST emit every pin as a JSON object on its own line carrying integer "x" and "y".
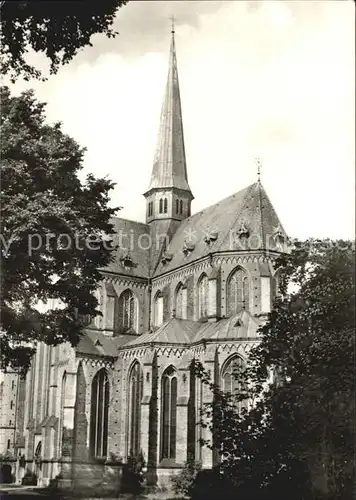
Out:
{"x": 264, "y": 79}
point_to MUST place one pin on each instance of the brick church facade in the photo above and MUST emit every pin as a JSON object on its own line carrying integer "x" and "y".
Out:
{"x": 181, "y": 287}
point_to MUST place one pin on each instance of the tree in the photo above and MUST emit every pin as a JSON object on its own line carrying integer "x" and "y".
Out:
{"x": 56, "y": 233}
{"x": 57, "y": 28}
{"x": 299, "y": 433}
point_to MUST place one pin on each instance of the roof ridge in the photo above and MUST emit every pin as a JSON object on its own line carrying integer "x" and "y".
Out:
{"x": 251, "y": 316}
{"x": 164, "y": 324}
{"x": 259, "y": 186}
{"x": 129, "y": 220}
{"x": 248, "y": 191}
{"x": 214, "y": 204}
{"x": 186, "y": 319}
{"x": 271, "y": 204}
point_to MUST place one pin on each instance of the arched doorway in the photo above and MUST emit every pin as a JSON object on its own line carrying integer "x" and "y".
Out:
{"x": 5, "y": 474}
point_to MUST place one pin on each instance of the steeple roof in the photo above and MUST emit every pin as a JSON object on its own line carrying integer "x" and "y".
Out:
{"x": 169, "y": 165}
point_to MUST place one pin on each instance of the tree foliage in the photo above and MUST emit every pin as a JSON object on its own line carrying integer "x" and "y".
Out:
{"x": 298, "y": 434}
{"x": 57, "y": 28}
{"x": 182, "y": 482}
{"x": 55, "y": 231}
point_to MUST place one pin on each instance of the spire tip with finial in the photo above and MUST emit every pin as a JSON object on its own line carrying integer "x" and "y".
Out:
{"x": 258, "y": 163}
{"x": 172, "y": 18}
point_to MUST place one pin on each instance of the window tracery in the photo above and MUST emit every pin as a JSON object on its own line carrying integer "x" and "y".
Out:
{"x": 181, "y": 302}
{"x": 231, "y": 380}
{"x": 134, "y": 409}
{"x": 237, "y": 292}
{"x": 150, "y": 209}
{"x": 99, "y": 414}
{"x": 158, "y": 309}
{"x": 127, "y": 311}
{"x": 203, "y": 296}
{"x": 169, "y": 414}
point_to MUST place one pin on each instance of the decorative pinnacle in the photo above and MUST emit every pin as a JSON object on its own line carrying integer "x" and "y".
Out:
{"x": 172, "y": 18}
{"x": 259, "y": 165}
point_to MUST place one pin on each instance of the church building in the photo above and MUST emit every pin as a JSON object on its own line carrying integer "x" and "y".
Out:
{"x": 182, "y": 286}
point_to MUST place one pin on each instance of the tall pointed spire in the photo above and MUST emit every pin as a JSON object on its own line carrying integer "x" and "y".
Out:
{"x": 169, "y": 165}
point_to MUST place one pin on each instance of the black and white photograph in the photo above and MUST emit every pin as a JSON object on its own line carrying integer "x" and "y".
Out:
{"x": 177, "y": 250}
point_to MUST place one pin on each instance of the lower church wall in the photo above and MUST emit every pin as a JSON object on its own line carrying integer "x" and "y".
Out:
{"x": 75, "y": 469}
{"x": 164, "y": 474}
{"x": 90, "y": 477}
{"x": 86, "y": 476}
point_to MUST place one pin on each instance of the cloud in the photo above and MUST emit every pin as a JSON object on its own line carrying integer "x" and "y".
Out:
{"x": 267, "y": 79}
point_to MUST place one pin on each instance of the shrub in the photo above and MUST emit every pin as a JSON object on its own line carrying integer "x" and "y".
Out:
{"x": 183, "y": 481}
{"x": 53, "y": 483}
{"x": 29, "y": 479}
{"x": 132, "y": 475}
{"x": 209, "y": 485}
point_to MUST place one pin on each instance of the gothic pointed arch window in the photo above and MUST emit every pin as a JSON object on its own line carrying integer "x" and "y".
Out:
{"x": 237, "y": 292}
{"x": 134, "y": 409}
{"x": 177, "y": 206}
{"x": 161, "y": 206}
{"x": 165, "y": 205}
{"x": 38, "y": 457}
{"x": 181, "y": 207}
{"x": 66, "y": 420}
{"x": 127, "y": 312}
{"x": 276, "y": 285}
{"x": 231, "y": 380}
{"x": 158, "y": 309}
{"x": 61, "y": 416}
{"x": 150, "y": 209}
{"x": 169, "y": 386}
{"x": 203, "y": 296}
{"x": 99, "y": 414}
{"x": 181, "y": 302}
{"x": 38, "y": 452}
{"x": 246, "y": 293}
{"x": 80, "y": 416}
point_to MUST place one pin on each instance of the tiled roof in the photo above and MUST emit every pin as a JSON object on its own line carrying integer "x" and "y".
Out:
{"x": 128, "y": 236}
{"x": 174, "y": 331}
{"x": 249, "y": 208}
{"x": 95, "y": 343}
{"x": 180, "y": 331}
{"x": 242, "y": 325}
